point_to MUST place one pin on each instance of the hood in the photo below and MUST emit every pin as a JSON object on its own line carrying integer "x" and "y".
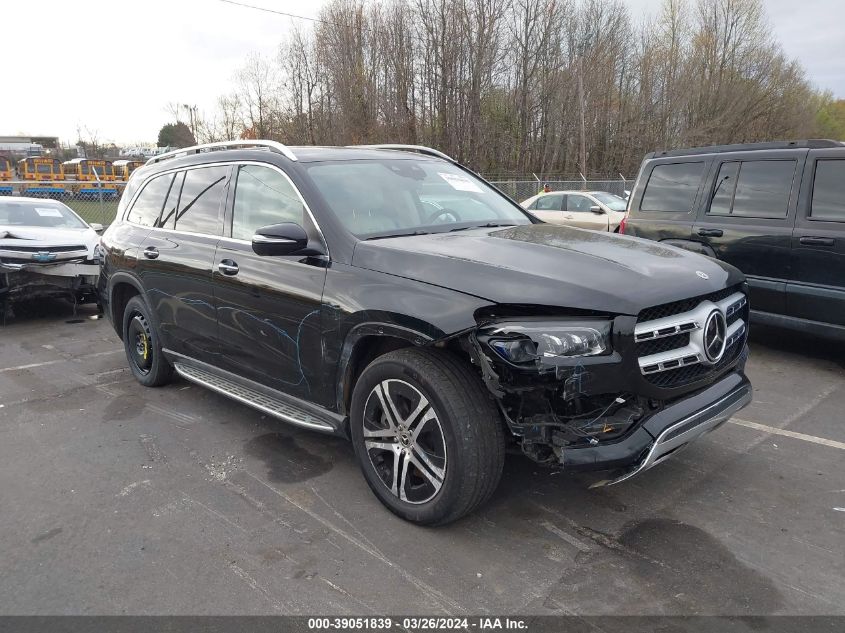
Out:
{"x": 47, "y": 237}
{"x": 551, "y": 265}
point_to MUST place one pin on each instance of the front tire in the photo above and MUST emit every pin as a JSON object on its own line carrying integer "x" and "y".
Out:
{"x": 143, "y": 347}
{"x": 427, "y": 435}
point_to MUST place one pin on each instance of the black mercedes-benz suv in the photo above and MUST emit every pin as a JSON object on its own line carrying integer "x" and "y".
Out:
{"x": 390, "y": 295}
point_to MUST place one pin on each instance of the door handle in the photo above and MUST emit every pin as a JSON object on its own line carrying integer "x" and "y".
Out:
{"x": 228, "y": 267}
{"x": 817, "y": 241}
{"x": 710, "y": 232}
{"x": 151, "y": 252}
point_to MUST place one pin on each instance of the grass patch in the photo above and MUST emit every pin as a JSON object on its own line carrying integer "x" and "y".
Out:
{"x": 94, "y": 210}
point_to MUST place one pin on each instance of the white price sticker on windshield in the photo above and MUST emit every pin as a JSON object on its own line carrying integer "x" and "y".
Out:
{"x": 460, "y": 182}
{"x": 48, "y": 213}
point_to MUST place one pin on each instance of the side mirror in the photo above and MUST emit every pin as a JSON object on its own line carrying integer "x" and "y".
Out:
{"x": 597, "y": 209}
{"x": 287, "y": 238}
{"x": 98, "y": 228}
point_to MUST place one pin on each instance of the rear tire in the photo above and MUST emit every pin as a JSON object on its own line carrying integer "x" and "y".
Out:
{"x": 143, "y": 347}
{"x": 427, "y": 435}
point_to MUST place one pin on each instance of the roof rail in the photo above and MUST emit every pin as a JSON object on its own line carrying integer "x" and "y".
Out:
{"x": 813, "y": 143}
{"x": 422, "y": 149}
{"x": 208, "y": 147}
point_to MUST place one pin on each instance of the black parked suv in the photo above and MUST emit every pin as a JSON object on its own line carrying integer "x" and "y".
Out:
{"x": 389, "y": 295}
{"x": 774, "y": 210}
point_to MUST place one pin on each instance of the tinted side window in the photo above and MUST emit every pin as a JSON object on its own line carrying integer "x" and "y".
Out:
{"x": 168, "y": 214}
{"x": 148, "y": 204}
{"x": 672, "y": 187}
{"x": 763, "y": 188}
{"x": 549, "y": 203}
{"x": 199, "y": 204}
{"x": 829, "y": 191}
{"x": 263, "y": 196}
{"x": 723, "y": 193}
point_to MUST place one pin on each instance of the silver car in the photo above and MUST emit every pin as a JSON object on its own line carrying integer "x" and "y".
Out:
{"x": 596, "y": 210}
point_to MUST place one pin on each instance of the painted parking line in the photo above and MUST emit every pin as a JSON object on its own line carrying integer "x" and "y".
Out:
{"x": 32, "y": 365}
{"x": 798, "y": 436}
{"x": 76, "y": 359}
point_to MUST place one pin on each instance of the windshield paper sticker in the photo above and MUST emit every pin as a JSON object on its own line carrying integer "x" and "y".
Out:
{"x": 460, "y": 182}
{"x": 48, "y": 213}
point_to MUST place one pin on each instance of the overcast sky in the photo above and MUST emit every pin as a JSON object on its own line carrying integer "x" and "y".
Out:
{"x": 113, "y": 66}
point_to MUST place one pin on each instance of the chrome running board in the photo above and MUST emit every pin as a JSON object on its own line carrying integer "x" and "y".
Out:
{"x": 254, "y": 398}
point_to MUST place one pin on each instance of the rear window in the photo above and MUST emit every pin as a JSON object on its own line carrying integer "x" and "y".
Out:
{"x": 199, "y": 203}
{"x": 753, "y": 189}
{"x": 829, "y": 191}
{"x": 551, "y": 202}
{"x": 672, "y": 188}
{"x": 148, "y": 204}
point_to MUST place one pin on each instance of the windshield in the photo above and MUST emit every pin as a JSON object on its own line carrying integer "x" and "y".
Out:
{"x": 376, "y": 198}
{"x": 47, "y": 213}
{"x": 614, "y": 203}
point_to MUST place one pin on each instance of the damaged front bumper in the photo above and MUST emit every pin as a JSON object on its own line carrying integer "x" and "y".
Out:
{"x": 23, "y": 281}
{"x": 600, "y": 412}
{"x": 665, "y": 432}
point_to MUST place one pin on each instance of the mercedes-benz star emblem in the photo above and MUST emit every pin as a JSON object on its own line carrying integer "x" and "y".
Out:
{"x": 715, "y": 329}
{"x": 702, "y": 274}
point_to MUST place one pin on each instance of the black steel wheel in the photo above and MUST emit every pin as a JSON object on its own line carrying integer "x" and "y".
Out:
{"x": 142, "y": 346}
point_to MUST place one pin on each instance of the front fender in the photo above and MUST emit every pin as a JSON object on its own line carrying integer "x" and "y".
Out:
{"x": 360, "y": 304}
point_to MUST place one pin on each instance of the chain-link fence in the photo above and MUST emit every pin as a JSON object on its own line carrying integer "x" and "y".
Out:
{"x": 94, "y": 202}
{"x": 520, "y": 190}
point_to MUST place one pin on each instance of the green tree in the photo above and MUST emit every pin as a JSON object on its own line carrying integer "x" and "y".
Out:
{"x": 176, "y": 135}
{"x": 830, "y": 120}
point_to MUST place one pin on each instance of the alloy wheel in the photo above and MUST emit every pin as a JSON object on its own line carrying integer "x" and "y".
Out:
{"x": 404, "y": 441}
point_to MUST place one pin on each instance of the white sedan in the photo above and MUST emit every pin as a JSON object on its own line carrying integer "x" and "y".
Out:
{"x": 46, "y": 250}
{"x": 597, "y": 210}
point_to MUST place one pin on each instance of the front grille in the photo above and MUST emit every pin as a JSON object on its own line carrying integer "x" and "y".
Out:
{"x": 49, "y": 249}
{"x": 685, "y": 375}
{"x": 647, "y": 348}
{"x": 670, "y": 338}
{"x": 684, "y": 305}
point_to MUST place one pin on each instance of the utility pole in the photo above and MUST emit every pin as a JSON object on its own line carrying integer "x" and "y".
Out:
{"x": 582, "y": 105}
{"x": 583, "y": 149}
{"x": 191, "y": 118}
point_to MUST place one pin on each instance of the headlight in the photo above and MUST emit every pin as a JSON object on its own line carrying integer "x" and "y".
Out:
{"x": 525, "y": 342}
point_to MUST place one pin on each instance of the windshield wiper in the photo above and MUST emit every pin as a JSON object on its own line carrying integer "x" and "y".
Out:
{"x": 489, "y": 225}
{"x": 405, "y": 234}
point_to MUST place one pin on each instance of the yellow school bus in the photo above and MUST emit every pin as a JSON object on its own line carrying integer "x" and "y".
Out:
{"x": 7, "y": 174}
{"x": 43, "y": 177}
{"x": 124, "y": 168}
{"x": 91, "y": 177}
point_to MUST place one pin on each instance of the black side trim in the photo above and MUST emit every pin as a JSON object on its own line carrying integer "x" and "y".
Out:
{"x": 805, "y": 326}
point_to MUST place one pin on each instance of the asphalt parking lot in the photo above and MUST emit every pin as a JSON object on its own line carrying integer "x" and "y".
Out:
{"x": 123, "y": 500}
